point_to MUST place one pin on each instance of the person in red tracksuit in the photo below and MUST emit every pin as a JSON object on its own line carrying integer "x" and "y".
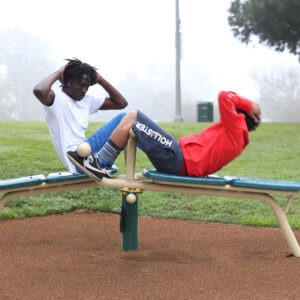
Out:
{"x": 197, "y": 155}
{"x": 210, "y": 150}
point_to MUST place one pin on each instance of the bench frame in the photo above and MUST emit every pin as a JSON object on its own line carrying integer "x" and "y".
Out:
{"x": 134, "y": 183}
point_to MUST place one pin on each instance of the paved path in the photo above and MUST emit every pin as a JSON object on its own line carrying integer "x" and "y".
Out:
{"x": 79, "y": 256}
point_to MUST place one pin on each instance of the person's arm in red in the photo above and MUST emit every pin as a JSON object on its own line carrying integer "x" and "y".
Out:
{"x": 228, "y": 104}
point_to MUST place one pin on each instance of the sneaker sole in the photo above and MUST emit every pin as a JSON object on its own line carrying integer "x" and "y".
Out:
{"x": 83, "y": 169}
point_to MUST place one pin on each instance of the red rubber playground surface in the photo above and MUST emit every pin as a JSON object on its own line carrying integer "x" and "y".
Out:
{"x": 79, "y": 256}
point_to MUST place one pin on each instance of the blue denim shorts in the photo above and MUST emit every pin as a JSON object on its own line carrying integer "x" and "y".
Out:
{"x": 98, "y": 139}
{"x": 162, "y": 149}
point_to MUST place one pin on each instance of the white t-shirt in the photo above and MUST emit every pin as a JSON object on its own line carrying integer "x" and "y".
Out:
{"x": 67, "y": 122}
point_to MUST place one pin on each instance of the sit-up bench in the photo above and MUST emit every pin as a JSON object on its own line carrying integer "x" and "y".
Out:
{"x": 237, "y": 187}
{"x": 131, "y": 185}
{"x": 40, "y": 184}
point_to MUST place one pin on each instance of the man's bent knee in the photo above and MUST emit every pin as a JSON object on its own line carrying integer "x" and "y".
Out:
{"x": 130, "y": 118}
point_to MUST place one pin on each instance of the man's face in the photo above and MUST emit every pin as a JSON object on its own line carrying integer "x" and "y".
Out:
{"x": 76, "y": 89}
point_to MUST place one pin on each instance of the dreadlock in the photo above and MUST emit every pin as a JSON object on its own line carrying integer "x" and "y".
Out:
{"x": 75, "y": 69}
{"x": 251, "y": 124}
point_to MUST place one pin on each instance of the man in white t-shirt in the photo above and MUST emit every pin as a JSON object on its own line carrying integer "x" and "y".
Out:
{"x": 68, "y": 108}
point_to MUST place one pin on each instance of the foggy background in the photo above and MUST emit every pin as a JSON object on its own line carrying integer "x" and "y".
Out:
{"x": 132, "y": 44}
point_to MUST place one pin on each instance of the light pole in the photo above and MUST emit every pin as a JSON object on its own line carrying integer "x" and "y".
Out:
{"x": 178, "y": 116}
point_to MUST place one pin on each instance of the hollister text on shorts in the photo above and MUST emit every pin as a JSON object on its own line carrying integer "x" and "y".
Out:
{"x": 152, "y": 133}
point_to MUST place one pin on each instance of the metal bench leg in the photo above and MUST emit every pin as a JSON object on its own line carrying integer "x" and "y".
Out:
{"x": 284, "y": 225}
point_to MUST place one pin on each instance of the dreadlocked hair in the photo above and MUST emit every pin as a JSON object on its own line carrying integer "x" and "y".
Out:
{"x": 251, "y": 124}
{"x": 75, "y": 69}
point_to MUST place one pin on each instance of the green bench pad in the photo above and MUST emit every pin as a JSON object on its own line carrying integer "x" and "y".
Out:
{"x": 268, "y": 184}
{"x": 64, "y": 176}
{"x": 209, "y": 180}
{"x": 280, "y": 185}
{"x": 21, "y": 182}
{"x": 34, "y": 180}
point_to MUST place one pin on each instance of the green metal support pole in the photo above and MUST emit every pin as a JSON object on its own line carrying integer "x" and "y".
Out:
{"x": 129, "y": 223}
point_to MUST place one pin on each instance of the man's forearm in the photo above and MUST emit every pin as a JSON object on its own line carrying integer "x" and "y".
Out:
{"x": 116, "y": 97}
{"x": 43, "y": 89}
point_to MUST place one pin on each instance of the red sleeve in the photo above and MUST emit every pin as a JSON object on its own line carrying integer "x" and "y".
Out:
{"x": 228, "y": 103}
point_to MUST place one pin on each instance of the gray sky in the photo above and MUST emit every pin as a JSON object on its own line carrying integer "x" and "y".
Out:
{"x": 118, "y": 36}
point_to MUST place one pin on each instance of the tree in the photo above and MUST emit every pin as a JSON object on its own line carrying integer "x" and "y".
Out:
{"x": 25, "y": 60}
{"x": 279, "y": 93}
{"x": 275, "y": 23}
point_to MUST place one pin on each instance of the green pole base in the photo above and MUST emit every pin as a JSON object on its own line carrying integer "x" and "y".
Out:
{"x": 129, "y": 222}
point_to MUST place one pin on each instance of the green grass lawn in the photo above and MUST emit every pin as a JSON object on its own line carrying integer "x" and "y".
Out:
{"x": 274, "y": 153}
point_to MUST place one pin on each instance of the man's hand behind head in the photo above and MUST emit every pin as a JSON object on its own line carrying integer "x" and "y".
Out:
{"x": 255, "y": 112}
